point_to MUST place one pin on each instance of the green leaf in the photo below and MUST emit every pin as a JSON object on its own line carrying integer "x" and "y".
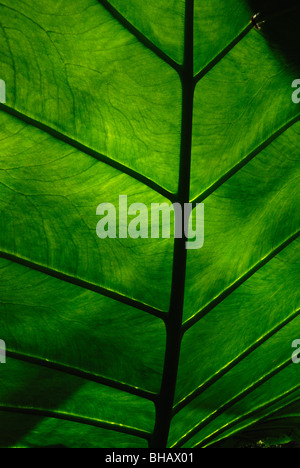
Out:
{"x": 139, "y": 342}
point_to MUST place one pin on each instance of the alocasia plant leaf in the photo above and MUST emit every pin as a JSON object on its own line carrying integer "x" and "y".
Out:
{"x": 139, "y": 342}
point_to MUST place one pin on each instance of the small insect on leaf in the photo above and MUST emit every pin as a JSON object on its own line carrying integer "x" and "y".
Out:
{"x": 255, "y": 21}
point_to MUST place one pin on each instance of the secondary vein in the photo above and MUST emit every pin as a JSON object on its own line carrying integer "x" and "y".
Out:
{"x": 83, "y": 284}
{"x": 203, "y": 443}
{"x": 200, "y": 198}
{"x": 85, "y": 375}
{"x": 77, "y": 419}
{"x": 140, "y": 36}
{"x": 88, "y": 151}
{"x": 223, "y": 53}
{"x": 221, "y": 297}
{"x": 231, "y": 365}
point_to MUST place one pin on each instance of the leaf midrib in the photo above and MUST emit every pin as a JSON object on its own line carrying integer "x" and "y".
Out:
{"x": 165, "y": 401}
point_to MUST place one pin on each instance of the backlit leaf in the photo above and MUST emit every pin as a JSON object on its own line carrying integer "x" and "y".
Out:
{"x": 138, "y": 342}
